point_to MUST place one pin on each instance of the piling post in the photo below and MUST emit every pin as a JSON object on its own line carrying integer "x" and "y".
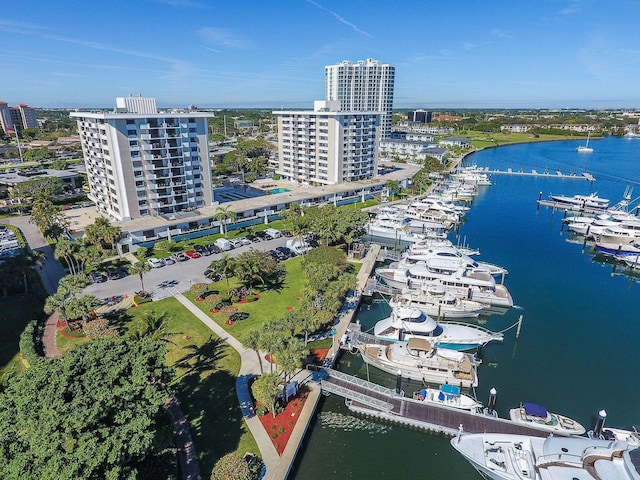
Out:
{"x": 492, "y": 400}
{"x": 519, "y": 327}
{"x": 602, "y": 416}
{"x": 399, "y": 382}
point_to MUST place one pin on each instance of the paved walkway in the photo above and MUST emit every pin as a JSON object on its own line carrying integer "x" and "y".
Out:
{"x": 186, "y": 450}
{"x": 49, "y": 345}
{"x": 249, "y": 368}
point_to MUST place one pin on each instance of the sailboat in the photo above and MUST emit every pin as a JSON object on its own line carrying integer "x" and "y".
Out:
{"x": 585, "y": 148}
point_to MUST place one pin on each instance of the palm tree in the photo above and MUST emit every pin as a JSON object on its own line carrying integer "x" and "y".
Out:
{"x": 252, "y": 341}
{"x": 393, "y": 188}
{"x": 290, "y": 356}
{"x": 66, "y": 249}
{"x": 223, "y": 267}
{"x": 222, "y": 214}
{"x": 155, "y": 327}
{"x": 140, "y": 269}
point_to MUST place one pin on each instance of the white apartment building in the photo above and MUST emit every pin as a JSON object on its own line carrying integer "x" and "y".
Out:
{"x": 17, "y": 118}
{"x": 327, "y": 146}
{"x": 145, "y": 163}
{"x": 364, "y": 86}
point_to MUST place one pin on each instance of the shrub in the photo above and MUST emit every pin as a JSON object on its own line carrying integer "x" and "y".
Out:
{"x": 212, "y": 299}
{"x": 228, "y": 310}
{"x": 99, "y": 328}
{"x": 251, "y": 298}
{"x": 237, "y": 316}
{"x": 274, "y": 435}
{"x": 261, "y": 410}
{"x": 28, "y": 340}
{"x": 281, "y": 429}
{"x": 235, "y": 299}
{"x": 198, "y": 289}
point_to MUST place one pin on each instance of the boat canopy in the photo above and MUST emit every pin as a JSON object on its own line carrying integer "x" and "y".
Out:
{"x": 450, "y": 389}
{"x": 535, "y": 410}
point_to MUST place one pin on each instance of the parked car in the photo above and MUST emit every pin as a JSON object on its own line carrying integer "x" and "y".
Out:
{"x": 252, "y": 238}
{"x": 286, "y": 233}
{"x": 155, "y": 262}
{"x": 213, "y": 248}
{"x": 179, "y": 257}
{"x": 97, "y": 277}
{"x": 286, "y": 251}
{"x": 169, "y": 261}
{"x": 273, "y": 233}
{"x": 214, "y": 277}
{"x": 263, "y": 235}
{"x": 223, "y": 244}
{"x": 113, "y": 273}
{"x": 243, "y": 241}
{"x": 202, "y": 250}
{"x": 278, "y": 255}
{"x": 192, "y": 254}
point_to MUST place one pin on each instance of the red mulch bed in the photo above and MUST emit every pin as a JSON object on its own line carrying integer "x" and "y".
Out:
{"x": 319, "y": 355}
{"x": 289, "y": 307}
{"x": 282, "y": 425}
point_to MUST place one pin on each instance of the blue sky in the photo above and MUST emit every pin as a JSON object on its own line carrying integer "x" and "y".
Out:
{"x": 272, "y": 53}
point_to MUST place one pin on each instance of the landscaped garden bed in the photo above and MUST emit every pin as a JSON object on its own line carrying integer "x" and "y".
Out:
{"x": 280, "y": 427}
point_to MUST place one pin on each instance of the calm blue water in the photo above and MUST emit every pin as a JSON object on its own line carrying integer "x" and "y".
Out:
{"x": 578, "y": 350}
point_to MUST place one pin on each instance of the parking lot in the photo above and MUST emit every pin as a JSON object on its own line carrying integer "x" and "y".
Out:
{"x": 160, "y": 282}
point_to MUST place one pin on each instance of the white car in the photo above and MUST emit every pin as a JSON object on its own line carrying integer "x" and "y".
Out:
{"x": 155, "y": 262}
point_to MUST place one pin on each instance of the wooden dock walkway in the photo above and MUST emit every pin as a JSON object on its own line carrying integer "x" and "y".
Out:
{"x": 385, "y": 404}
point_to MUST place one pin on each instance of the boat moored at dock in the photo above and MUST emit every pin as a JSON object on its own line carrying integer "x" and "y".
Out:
{"x": 418, "y": 360}
{"x": 519, "y": 457}
{"x": 406, "y": 322}
{"x": 538, "y": 417}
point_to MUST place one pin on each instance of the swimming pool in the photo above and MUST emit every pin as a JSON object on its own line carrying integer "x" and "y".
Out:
{"x": 279, "y": 190}
{"x": 236, "y": 192}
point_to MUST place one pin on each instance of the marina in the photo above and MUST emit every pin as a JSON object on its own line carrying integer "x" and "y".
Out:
{"x": 564, "y": 309}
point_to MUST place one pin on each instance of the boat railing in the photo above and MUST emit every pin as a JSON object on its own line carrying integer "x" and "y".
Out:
{"x": 477, "y": 327}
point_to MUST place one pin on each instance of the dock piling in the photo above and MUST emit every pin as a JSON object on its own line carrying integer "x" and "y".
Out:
{"x": 519, "y": 327}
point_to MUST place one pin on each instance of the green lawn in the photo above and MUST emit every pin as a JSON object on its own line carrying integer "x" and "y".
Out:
{"x": 272, "y": 303}
{"x": 207, "y": 391}
{"x": 17, "y": 311}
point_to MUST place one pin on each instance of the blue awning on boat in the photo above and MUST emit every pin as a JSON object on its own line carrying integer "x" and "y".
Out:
{"x": 450, "y": 389}
{"x": 535, "y": 410}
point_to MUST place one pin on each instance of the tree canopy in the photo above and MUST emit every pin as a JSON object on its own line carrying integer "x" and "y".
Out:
{"x": 95, "y": 413}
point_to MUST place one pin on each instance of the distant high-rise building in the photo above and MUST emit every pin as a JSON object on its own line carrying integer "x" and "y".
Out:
{"x": 5, "y": 118}
{"x": 419, "y": 116}
{"x": 327, "y": 146}
{"x": 364, "y": 86}
{"x": 17, "y": 118}
{"x": 141, "y": 162}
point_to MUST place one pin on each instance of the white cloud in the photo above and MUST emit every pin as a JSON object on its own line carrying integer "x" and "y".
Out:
{"x": 223, "y": 37}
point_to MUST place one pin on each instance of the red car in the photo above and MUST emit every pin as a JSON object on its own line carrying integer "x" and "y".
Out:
{"x": 192, "y": 254}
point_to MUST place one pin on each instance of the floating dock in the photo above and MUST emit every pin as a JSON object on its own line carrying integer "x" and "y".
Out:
{"x": 386, "y": 404}
{"x": 535, "y": 173}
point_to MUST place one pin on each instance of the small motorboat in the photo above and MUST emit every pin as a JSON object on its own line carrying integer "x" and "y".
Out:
{"x": 538, "y": 417}
{"x": 450, "y": 396}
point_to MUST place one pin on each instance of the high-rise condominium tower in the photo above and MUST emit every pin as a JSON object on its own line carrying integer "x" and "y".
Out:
{"x": 141, "y": 162}
{"x": 364, "y": 86}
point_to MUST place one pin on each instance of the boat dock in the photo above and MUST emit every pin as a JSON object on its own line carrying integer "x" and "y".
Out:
{"x": 386, "y": 404}
{"x": 546, "y": 173}
{"x": 566, "y": 207}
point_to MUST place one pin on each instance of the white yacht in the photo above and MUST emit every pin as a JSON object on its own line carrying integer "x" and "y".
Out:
{"x": 499, "y": 456}
{"x": 418, "y": 360}
{"x": 435, "y": 300}
{"x": 591, "y": 201}
{"x": 397, "y": 230}
{"x": 448, "y": 396}
{"x": 623, "y": 232}
{"x": 406, "y": 322}
{"x": 538, "y": 417}
{"x": 450, "y": 254}
{"x": 467, "y": 282}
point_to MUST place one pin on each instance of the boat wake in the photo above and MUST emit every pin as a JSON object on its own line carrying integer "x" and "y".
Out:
{"x": 349, "y": 423}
